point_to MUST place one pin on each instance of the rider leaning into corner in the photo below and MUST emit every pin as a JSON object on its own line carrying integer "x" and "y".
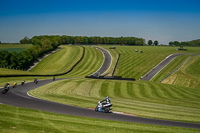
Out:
{"x": 107, "y": 100}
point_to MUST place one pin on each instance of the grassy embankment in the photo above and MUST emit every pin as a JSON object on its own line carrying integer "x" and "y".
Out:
{"x": 188, "y": 75}
{"x": 18, "y": 120}
{"x": 59, "y": 62}
{"x": 91, "y": 62}
{"x": 146, "y": 99}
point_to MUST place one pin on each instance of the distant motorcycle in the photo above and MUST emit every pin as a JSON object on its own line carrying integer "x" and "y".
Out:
{"x": 14, "y": 84}
{"x": 23, "y": 82}
{"x": 36, "y": 80}
{"x": 5, "y": 89}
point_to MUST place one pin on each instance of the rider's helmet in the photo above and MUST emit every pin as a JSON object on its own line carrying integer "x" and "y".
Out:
{"x": 107, "y": 97}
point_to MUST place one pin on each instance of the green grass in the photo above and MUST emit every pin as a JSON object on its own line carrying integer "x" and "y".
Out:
{"x": 135, "y": 64}
{"x": 91, "y": 62}
{"x": 193, "y": 68}
{"x": 59, "y": 62}
{"x": 146, "y": 99}
{"x": 4, "y": 71}
{"x": 18, "y": 120}
{"x": 187, "y": 75}
{"x": 14, "y": 47}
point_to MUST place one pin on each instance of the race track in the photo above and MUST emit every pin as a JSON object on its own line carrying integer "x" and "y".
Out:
{"x": 19, "y": 97}
{"x": 107, "y": 61}
{"x": 159, "y": 67}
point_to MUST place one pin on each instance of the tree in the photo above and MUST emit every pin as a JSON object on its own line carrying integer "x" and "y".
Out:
{"x": 171, "y": 43}
{"x": 0, "y": 42}
{"x": 155, "y": 43}
{"x": 150, "y": 42}
{"x": 25, "y": 40}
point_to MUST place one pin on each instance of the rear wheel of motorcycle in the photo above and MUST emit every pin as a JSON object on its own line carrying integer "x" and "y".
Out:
{"x": 96, "y": 109}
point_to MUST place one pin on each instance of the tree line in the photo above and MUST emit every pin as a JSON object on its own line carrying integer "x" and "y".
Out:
{"x": 25, "y": 59}
{"x": 84, "y": 40}
{"x": 188, "y": 43}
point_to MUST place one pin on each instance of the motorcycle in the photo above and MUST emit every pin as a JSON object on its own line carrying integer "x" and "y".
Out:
{"x": 103, "y": 107}
{"x": 23, "y": 82}
{"x": 14, "y": 85}
{"x": 5, "y": 90}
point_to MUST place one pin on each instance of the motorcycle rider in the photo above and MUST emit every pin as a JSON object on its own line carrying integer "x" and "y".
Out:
{"x": 104, "y": 105}
{"x": 7, "y": 88}
{"x": 107, "y": 99}
{"x": 35, "y": 79}
{"x": 14, "y": 84}
{"x": 23, "y": 81}
{"x": 6, "y": 85}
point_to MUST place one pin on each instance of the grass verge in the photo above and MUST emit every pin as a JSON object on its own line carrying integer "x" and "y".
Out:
{"x": 18, "y": 120}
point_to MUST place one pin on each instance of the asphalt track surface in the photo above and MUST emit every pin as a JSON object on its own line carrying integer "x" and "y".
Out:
{"x": 19, "y": 97}
{"x": 159, "y": 67}
{"x": 107, "y": 61}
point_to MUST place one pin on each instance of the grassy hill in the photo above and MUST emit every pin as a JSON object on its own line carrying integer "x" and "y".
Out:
{"x": 18, "y": 120}
{"x": 91, "y": 62}
{"x": 60, "y": 61}
{"x": 142, "y": 98}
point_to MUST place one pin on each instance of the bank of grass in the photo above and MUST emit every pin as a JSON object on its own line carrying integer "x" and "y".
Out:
{"x": 60, "y": 61}
{"x": 91, "y": 62}
{"x": 187, "y": 75}
{"x": 4, "y": 71}
{"x": 14, "y": 47}
{"x": 18, "y": 120}
{"x": 135, "y": 64}
{"x": 146, "y": 99}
